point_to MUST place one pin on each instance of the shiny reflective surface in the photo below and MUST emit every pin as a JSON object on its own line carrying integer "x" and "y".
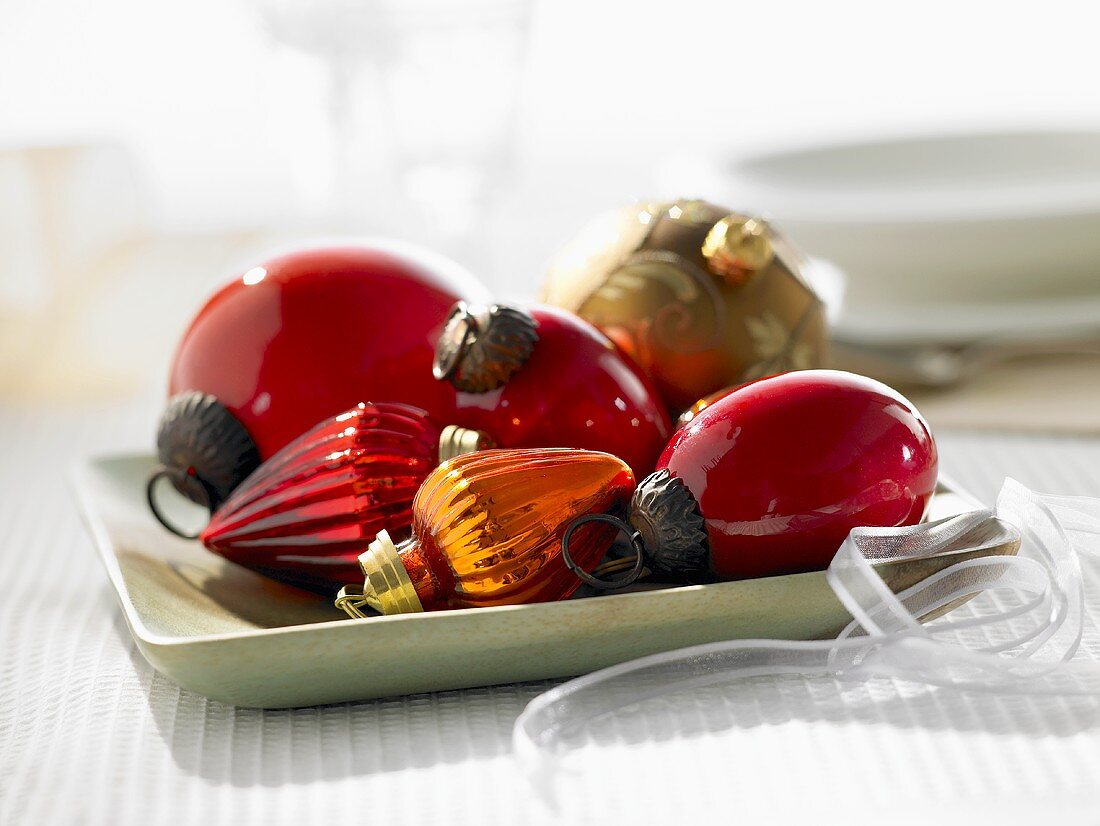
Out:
{"x": 574, "y": 390}
{"x": 488, "y": 526}
{"x": 312, "y": 333}
{"x": 308, "y": 512}
{"x": 702, "y": 404}
{"x": 783, "y": 468}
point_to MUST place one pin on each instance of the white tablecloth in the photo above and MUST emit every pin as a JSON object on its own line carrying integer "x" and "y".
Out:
{"x": 90, "y": 734}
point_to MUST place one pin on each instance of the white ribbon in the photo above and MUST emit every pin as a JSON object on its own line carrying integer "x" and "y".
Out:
{"x": 1026, "y": 649}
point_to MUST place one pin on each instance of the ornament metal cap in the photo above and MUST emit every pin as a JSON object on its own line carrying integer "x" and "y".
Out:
{"x": 455, "y": 441}
{"x": 386, "y": 586}
{"x": 482, "y": 346}
{"x": 738, "y": 247}
{"x": 205, "y": 450}
{"x": 667, "y": 517}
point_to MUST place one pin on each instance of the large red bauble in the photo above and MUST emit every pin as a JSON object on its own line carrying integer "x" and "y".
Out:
{"x": 575, "y": 389}
{"x": 295, "y": 340}
{"x": 784, "y": 467}
{"x": 310, "y": 334}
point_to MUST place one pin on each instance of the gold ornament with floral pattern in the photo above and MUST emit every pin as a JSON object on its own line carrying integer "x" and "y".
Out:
{"x": 700, "y": 296}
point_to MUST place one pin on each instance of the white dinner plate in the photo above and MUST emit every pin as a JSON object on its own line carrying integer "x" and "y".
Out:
{"x": 942, "y": 237}
{"x": 961, "y": 323}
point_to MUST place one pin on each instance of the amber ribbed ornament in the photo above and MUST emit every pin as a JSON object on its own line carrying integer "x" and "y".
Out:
{"x": 306, "y": 514}
{"x": 488, "y": 528}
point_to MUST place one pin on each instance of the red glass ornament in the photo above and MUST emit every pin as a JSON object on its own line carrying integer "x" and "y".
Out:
{"x": 488, "y": 530}
{"x": 308, "y": 512}
{"x": 780, "y": 470}
{"x": 542, "y": 377}
{"x": 302, "y": 337}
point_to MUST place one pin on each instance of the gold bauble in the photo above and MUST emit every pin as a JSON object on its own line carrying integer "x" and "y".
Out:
{"x": 702, "y": 297}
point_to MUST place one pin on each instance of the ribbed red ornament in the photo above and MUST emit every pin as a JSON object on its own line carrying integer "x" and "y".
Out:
{"x": 308, "y": 512}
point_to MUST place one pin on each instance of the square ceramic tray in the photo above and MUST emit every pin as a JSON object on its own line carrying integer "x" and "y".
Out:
{"x": 235, "y": 636}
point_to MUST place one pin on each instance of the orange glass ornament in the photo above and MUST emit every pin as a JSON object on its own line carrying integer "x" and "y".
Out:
{"x": 488, "y": 529}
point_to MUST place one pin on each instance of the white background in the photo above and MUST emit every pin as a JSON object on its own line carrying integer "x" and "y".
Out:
{"x": 216, "y": 112}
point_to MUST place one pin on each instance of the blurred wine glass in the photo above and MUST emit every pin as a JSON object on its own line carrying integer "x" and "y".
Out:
{"x": 439, "y": 82}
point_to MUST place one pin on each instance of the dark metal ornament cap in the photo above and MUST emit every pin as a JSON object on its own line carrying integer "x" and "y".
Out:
{"x": 480, "y": 348}
{"x": 199, "y": 437}
{"x": 667, "y": 516}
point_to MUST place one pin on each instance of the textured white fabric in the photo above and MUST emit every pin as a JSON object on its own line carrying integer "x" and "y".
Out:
{"x": 1023, "y": 643}
{"x": 90, "y": 734}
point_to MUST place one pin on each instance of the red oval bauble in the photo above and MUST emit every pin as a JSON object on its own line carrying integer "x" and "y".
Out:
{"x": 575, "y": 389}
{"x": 309, "y": 334}
{"x": 784, "y": 467}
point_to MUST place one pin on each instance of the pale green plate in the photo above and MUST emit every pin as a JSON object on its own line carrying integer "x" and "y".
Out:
{"x": 235, "y": 636}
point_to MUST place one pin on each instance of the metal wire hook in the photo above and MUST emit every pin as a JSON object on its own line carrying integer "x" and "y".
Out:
{"x": 179, "y": 479}
{"x": 605, "y": 584}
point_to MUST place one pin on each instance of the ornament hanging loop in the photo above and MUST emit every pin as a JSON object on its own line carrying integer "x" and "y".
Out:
{"x": 352, "y": 600}
{"x": 179, "y": 480}
{"x": 616, "y": 582}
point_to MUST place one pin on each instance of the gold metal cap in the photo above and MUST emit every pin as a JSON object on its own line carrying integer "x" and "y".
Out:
{"x": 737, "y": 247}
{"x": 386, "y": 585}
{"x": 455, "y": 441}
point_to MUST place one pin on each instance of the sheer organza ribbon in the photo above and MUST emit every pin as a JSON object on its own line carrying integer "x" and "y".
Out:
{"x": 1023, "y": 649}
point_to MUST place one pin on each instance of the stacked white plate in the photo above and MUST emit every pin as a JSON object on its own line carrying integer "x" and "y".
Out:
{"x": 946, "y": 238}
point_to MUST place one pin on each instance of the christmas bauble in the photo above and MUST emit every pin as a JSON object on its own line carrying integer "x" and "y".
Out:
{"x": 542, "y": 377}
{"x": 771, "y": 478}
{"x": 488, "y": 529}
{"x": 309, "y": 511}
{"x": 701, "y": 297}
{"x": 299, "y": 338}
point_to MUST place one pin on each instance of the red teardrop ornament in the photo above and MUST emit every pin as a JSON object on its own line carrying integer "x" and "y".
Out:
{"x": 542, "y": 377}
{"x": 308, "y": 512}
{"x": 781, "y": 469}
{"x": 302, "y": 337}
